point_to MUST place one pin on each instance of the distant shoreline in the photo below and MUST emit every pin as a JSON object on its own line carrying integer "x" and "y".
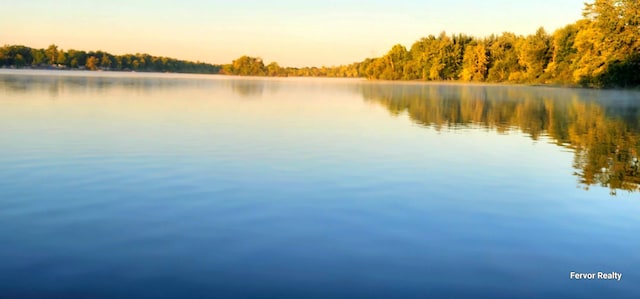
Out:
{"x": 81, "y": 72}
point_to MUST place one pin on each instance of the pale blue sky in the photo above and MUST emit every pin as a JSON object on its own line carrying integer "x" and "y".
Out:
{"x": 293, "y": 33}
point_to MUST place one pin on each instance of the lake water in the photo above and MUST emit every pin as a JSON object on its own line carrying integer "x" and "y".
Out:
{"x": 129, "y": 185}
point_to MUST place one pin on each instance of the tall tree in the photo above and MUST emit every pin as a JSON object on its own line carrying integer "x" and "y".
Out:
{"x": 476, "y": 62}
{"x": 564, "y": 53}
{"x": 247, "y": 66}
{"x": 62, "y": 58}
{"x": 92, "y": 63}
{"x": 105, "y": 62}
{"x": 608, "y": 44}
{"x": 534, "y": 54}
{"x": 504, "y": 56}
{"x": 39, "y": 57}
{"x": 52, "y": 54}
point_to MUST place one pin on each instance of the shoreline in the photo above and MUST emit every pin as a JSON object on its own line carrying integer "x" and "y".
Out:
{"x": 363, "y": 79}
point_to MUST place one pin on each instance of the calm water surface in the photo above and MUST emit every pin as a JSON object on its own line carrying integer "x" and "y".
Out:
{"x": 186, "y": 186}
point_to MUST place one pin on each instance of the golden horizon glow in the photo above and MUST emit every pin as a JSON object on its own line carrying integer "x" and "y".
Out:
{"x": 290, "y": 33}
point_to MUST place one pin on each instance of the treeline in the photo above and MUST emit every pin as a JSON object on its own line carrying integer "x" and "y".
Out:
{"x": 253, "y": 66}
{"x": 601, "y": 50}
{"x": 53, "y": 57}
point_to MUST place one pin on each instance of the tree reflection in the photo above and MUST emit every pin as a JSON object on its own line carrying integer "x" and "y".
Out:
{"x": 247, "y": 88}
{"x": 57, "y": 84}
{"x": 601, "y": 127}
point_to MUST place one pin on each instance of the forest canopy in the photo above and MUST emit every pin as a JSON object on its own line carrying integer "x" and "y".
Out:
{"x": 600, "y": 50}
{"x": 53, "y": 57}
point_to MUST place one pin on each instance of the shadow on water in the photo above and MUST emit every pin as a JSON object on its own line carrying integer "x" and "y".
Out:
{"x": 601, "y": 127}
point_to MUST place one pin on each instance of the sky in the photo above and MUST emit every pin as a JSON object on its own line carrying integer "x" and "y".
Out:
{"x": 292, "y": 33}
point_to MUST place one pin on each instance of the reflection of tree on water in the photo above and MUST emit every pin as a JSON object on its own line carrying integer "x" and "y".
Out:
{"x": 606, "y": 143}
{"x": 247, "y": 88}
{"x": 253, "y": 87}
{"x": 57, "y": 84}
{"x": 606, "y": 149}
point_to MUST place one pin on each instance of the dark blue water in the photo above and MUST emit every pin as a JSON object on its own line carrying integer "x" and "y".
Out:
{"x": 173, "y": 186}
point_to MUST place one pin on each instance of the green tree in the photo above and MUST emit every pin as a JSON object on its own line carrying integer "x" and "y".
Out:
{"x": 273, "y": 69}
{"x": 608, "y": 44}
{"x": 39, "y": 57}
{"x": 396, "y": 60}
{"x": 248, "y": 66}
{"x": 476, "y": 62}
{"x": 504, "y": 56}
{"x": 564, "y": 54}
{"x": 392, "y": 65}
{"x": 19, "y": 61}
{"x": 105, "y": 62}
{"x": 422, "y": 56}
{"x": 534, "y": 55}
{"x": 52, "y": 54}
{"x": 442, "y": 61}
{"x": 4, "y": 55}
{"x": 76, "y": 58}
{"x": 62, "y": 58}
